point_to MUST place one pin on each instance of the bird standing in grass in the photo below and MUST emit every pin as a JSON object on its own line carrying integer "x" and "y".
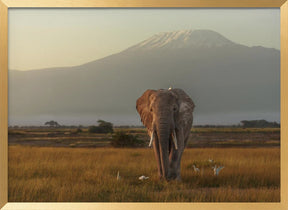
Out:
{"x": 143, "y": 177}
{"x": 217, "y": 170}
{"x": 118, "y": 176}
{"x": 196, "y": 169}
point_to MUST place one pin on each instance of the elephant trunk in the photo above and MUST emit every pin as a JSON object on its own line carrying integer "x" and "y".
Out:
{"x": 164, "y": 135}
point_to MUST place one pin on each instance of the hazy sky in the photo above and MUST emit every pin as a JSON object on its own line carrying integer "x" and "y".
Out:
{"x": 41, "y": 38}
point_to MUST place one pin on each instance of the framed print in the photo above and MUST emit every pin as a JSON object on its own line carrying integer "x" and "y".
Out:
{"x": 129, "y": 104}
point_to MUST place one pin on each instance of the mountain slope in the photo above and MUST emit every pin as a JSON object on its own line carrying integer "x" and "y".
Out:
{"x": 183, "y": 39}
{"x": 219, "y": 75}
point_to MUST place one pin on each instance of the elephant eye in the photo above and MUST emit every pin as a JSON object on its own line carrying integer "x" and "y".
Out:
{"x": 175, "y": 109}
{"x": 151, "y": 110}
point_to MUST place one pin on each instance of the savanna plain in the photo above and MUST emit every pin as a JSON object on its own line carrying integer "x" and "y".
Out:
{"x": 59, "y": 164}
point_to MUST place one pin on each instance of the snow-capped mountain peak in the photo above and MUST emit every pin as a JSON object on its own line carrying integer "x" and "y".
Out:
{"x": 183, "y": 39}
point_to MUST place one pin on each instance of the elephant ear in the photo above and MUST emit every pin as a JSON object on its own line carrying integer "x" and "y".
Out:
{"x": 142, "y": 106}
{"x": 186, "y": 108}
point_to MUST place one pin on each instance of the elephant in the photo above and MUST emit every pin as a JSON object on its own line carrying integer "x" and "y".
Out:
{"x": 168, "y": 117}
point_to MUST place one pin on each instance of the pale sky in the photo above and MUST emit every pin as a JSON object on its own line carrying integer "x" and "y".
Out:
{"x": 42, "y": 38}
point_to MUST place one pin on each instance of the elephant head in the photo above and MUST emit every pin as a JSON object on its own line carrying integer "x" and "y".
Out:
{"x": 168, "y": 117}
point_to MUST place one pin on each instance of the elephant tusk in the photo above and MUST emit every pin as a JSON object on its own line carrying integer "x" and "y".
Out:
{"x": 174, "y": 139}
{"x": 151, "y": 139}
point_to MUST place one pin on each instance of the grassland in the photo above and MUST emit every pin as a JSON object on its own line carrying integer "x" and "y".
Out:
{"x": 59, "y": 165}
{"x": 83, "y": 174}
{"x": 199, "y": 138}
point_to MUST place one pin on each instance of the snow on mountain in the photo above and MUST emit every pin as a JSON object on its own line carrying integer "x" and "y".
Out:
{"x": 183, "y": 39}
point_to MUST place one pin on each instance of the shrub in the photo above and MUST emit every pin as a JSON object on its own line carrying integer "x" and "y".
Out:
{"x": 106, "y": 127}
{"x": 95, "y": 129}
{"x": 52, "y": 124}
{"x": 103, "y": 127}
{"x": 121, "y": 139}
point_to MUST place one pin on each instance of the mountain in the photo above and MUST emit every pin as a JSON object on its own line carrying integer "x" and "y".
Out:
{"x": 222, "y": 77}
{"x": 183, "y": 40}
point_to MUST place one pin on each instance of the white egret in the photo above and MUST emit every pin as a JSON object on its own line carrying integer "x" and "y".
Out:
{"x": 196, "y": 169}
{"x": 118, "y": 176}
{"x": 143, "y": 177}
{"x": 217, "y": 170}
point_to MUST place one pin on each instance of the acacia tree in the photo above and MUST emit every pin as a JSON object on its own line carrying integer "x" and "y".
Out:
{"x": 106, "y": 126}
{"x": 52, "y": 123}
{"x": 103, "y": 127}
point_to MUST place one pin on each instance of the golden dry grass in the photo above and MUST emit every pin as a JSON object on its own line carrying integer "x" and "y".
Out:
{"x": 83, "y": 174}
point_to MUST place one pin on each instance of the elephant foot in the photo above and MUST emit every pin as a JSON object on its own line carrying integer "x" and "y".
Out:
{"x": 174, "y": 180}
{"x": 178, "y": 178}
{"x": 174, "y": 176}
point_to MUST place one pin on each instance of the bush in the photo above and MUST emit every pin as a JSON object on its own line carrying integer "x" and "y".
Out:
{"x": 103, "y": 127}
{"x": 106, "y": 127}
{"x": 121, "y": 139}
{"x": 259, "y": 124}
{"x": 95, "y": 129}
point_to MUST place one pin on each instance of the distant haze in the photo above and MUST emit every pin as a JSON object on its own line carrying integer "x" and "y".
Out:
{"x": 228, "y": 82}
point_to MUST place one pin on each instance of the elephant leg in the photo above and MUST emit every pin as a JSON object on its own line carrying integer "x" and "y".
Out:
{"x": 181, "y": 150}
{"x": 175, "y": 157}
{"x": 157, "y": 156}
{"x": 175, "y": 165}
{"x": 178, "y": 165}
